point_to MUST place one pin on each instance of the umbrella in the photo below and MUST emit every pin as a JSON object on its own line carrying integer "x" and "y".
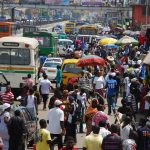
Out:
{"x": 111, "y": 46}
{"x": 127, "y": 40}
{"x": 91, "y": 60}
{"x": 105, "y": 41}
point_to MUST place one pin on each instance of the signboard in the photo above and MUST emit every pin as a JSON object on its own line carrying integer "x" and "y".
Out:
{"x": 10, "y": 44}
{"x": 57, "y": 2}
{"x": 92, "y": 2}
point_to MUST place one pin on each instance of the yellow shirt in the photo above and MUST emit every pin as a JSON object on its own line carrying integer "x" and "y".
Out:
{"x": 93, "y": 142}
{"x": 44, "y": 136}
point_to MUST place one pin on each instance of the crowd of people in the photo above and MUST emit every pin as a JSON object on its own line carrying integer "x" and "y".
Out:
{"x": 84, "y": 101}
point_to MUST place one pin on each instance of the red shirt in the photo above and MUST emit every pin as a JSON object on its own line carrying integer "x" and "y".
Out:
{"x": 7, "y": 97}
{"x": 66, "y": 149}
{"x": 142, "y": 39}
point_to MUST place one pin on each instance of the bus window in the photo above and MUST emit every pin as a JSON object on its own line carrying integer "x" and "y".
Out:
{"x": 17, "y": 57}
{"x": 20, "y": 56}
{"x": 4, "y": 28}
{"x": 70, "y": 25}
{"x": 44, "y": 41}
{"x": 4, "y": 56}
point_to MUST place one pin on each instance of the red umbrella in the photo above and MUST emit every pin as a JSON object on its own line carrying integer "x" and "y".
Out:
{"x": 91, "y": 60}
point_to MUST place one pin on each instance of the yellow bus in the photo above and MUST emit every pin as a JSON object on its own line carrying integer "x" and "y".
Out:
{"x": 88, "y": 30}
{"x": 70, "y": 27}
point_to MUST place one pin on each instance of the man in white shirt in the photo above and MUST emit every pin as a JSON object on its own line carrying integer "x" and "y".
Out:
{"x": 45, "y": 87}
{"x": 126, "y": 83}
{"x": 103, "y": 129}
{"x": 55, "y": 121}
{"x": 99, "y": 83}
{"x": 125, "y": 131}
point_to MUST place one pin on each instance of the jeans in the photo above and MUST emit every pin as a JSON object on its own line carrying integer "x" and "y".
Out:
{"x": 111, "y": 102}
{"x": 45, "y": 98}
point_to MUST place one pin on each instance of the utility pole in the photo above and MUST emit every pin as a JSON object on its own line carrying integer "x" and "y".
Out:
{"x": 2, "y": 8}
{"x": 147, "y": 14}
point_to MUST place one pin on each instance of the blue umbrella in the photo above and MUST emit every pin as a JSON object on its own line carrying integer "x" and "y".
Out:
{"x": 110, "y": 46}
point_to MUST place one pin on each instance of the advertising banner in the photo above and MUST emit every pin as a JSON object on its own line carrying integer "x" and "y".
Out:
{"x": 57, "y": 2}
{"x": 92, "y": 2}
{"x": 31, "y": 1}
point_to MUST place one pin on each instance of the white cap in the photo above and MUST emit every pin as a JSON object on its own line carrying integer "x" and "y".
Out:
{"x": 58, "y": 102}
{"x": 5, "y": 106}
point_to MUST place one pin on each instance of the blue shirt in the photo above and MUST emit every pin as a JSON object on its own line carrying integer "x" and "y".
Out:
{"x": 111, "y": 87}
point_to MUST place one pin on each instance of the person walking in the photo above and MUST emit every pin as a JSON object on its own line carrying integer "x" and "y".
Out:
{"x": 99, "y": 116}
{"x": 45, "y": 87}
{"x": 144, "y": 137}
{"x": 93, "y": 141}
{"x": 130, "y": 143}
{"x": 31, "y": 103}
{"x": 55, "y": 121}
{"x": 127, "y": 126}
{"x": 8, "y": 96}
{"x": 44, "y": 139}
{"x": 4, "y": 120}
{"x": 89, "y": 113}
{"x": 112, "y": 141}
{"x": 58, "y": 77}
{"x": 104, "y": 128}
{"x": 111, "y": 85}
{"x": 99, "y": 83}
{"x": 29, "y": 81}
{"x": 17, "y": 130}
{"x": 81, "y": 96}
{"x": 71, "y": 125}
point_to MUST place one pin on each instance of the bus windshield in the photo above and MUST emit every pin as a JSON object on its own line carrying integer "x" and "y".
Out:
{"x": 29, "y": 29}
{"x": 88, "y": 32}
{"x": 65, "y": 43}
{"x": 14, "y": 56}
{"x": 70, "y": 25}
{"x": 43, "y": 41}
{"x": 71, "y": 68}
